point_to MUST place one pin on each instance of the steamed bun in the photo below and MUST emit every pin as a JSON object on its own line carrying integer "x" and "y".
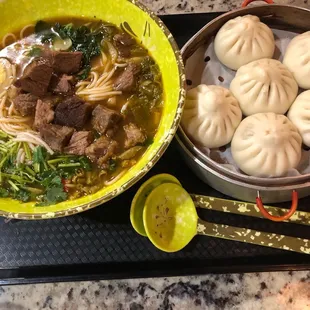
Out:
{"x": 266, "y": 145}
{"x": 299, "y": 114}
{"x": 297, "y": 59}
{"x": 211, "y": 115}
{"x": 242, "y": 40}
{"x": 264, "y": 85}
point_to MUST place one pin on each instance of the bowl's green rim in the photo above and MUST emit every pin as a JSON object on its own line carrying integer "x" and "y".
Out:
{"x": 156, "y": 156}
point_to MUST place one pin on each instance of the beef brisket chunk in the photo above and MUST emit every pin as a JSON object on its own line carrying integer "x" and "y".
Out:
{"x": 72, "y": 112}
{"x": 57, "y": 137}
{"x": 64, "y": 62}
{"x": 105, "y": 120}
{"x": 80, "y": 140}
{"x": 44, "y": 113}
{"x": 62, "y": 84}
{"x": 124, "y": 43}
{"x": 126, "y": 81}
{"x": 25, "y": 104}
{"x": 36, "y": 78}
{"x": 102, "y": 150}
{"x": 134, "y": 135}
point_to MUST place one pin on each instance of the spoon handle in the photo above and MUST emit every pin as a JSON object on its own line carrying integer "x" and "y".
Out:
{"x": 254, "y": 237}
{"x": 247, "y": 208}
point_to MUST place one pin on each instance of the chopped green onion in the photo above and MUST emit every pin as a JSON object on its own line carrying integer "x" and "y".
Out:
{"x": 55, "y": 161}
{"x": 52, "y": 166}
{"x": 45, "y": 165}
{"x": 34, "y": 190}
{"x": 60, "y": 159}
{"x": 69, "y": 165}
{"x": 4, "y": 159}
{"x": 30, "y": 171}
{"x": 27, "y": 150}
{"x": 15, "y": 188}
{"x": 3, "y": 134}
{"x": 36, "y": 167}
{"x": 16, "y": 178}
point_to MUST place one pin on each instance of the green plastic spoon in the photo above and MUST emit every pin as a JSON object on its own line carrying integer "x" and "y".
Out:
{"x": 171, "y": 221}
{"x": 138, "y": 202}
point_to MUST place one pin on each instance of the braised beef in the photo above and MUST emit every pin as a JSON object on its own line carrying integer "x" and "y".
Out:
{"x": 126, "y": 81}
{"x": 79, "y": 141}
{"x": 62, "y": 84}
{"x": 105, "y": 120}
{"x": 25, "y": 104}
{"x": 124, "y": 43}
{"x": 134, "y": 135}
{"x": 64, "y": 62}
{"x": 36, "y": 78}
{"x": 57, "y": 137}
{"x": 44, "y": 113}
{"x": 101, "y": 150}
{"x": 72, "y": 112}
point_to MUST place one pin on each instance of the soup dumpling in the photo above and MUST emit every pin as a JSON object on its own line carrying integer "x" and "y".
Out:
{"x": 297, "y": 59}
{"x": 299, "y": 114}
{"x": 211, "y": 115}
{"x": 242, "y": 40}
{"x": 266, "y": 145}
{"x": 264, "y": 85}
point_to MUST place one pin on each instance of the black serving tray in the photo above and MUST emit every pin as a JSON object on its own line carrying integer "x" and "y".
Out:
{"x": 101, "y": 244}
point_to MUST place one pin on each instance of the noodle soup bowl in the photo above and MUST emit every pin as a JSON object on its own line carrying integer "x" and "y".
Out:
{"x": 151, "y": 32}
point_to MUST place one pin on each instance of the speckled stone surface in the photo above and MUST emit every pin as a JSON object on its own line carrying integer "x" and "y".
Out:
{"x": 261, "y": 291}
{"x": 199, "y": 6}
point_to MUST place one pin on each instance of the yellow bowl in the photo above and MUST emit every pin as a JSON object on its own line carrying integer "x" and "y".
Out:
{"x": 153, "y": 34}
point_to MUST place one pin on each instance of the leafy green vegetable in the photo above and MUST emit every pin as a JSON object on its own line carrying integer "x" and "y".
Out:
{"x": 54, "y": 189}
{"x": 112, "y": 165}
{"x": 85, "y": 163}
{"x": 41, "y": 26}
{"x": 150, "y": 70}
{"x": 104, "y": 30}
{"x": 55, "y": 195}
{"x": 139, "y": 107}
{"x": 84, "y": 72}
{"x": 39, "y": 158}
{"x": 52, "y": 179}
{"x": 149, "y": 141}
{"x": 35, "y": 52}
{"x": 149, "y": 93}
{"x": 22, "y": 195}
{"x": 4, "y": 193}
{"x": 39, "y": 155}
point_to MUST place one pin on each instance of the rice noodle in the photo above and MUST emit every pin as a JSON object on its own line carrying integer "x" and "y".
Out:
{"x": 22, "y": 32}
{"x": 9, "y": 35}
{"x": 32, "y": 137}
{"x": 11, "y": 109}
{"x": 13, "y": 120}
{"x": 32, "y": 147}
{"x": 119, "y": 176}
{"x": 20, "y": 157}
{"x": 121, "y": 65}
{"x": 99, "y": 84}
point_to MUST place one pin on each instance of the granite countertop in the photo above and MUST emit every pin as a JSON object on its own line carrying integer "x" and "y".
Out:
{"x": 272, "y": 291}
{"x": 260, "y": 291}
{"x": 162, "y": 7}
